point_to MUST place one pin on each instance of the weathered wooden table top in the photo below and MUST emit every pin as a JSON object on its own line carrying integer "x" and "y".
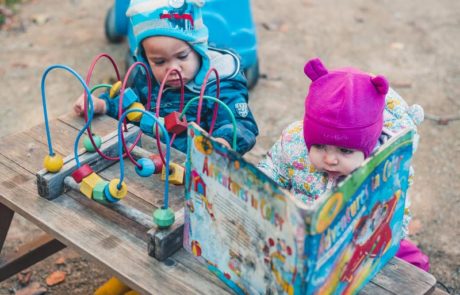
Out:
{"x": 120, "y": 244}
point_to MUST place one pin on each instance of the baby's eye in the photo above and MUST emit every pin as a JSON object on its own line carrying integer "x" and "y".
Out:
{"x": 158, "y": 62}
{"x": 346, "y": 151}
{"x": 320, "y": 146}
{"x": 183, "y": 56}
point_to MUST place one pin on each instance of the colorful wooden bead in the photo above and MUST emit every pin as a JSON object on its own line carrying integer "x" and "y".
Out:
{"x": 176, "y": 174}
{"x": 98, "y": 191}
{"x": 147, "y": 167}
{"x": 174, "y": 124}
{"x": 81, "y": 173}
{"x": 89, "y": 145}
{"x": 135, "y": 116}
{"x": 115, "y": 89}
{"x": 53, "y": 163}
{"x": 108, "y": 196}
{"x": 148, "y": 125}
{"x": 129, "y": 97}
{"x": 163, "y": 217}
{"x": 88, "y": 183}
{"x": 156, "y": 159}
{"x": 118, "y": 193}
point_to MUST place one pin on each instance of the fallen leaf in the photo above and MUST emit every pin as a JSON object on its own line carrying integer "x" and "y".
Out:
{"x": 33, "y": 289}
{"x": 60, "y": 261}
{"x": 40, "y": 19}
{"x": 397, "y": 45}
{"x": 55, "y": 278}
{"x": 24, "y": 277}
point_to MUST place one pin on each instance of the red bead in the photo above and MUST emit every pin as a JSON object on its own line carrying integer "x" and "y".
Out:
{"x": 174, "y": 125}
{"x": 82, "y": 172}
{"x": 156, "y": 159}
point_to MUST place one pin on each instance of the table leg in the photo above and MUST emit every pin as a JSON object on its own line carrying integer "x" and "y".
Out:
{"x": 6, "y": 215}
{"x": 27, "y": 255}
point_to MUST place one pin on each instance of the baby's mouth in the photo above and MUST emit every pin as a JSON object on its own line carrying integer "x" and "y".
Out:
{"x": 332, "y": 173}
{"x": 175, "y": 82}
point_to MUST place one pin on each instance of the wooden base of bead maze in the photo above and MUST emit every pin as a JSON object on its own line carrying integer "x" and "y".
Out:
{"x": 162, "y": 243}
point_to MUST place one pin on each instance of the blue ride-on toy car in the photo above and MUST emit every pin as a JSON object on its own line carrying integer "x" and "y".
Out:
{"x": 230, "y": 25}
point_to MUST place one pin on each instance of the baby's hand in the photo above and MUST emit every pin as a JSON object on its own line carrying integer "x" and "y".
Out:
{"x": 99, "y": 105}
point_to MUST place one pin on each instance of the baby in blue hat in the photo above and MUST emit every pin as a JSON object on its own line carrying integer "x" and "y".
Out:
{"x": 170, "y": 34}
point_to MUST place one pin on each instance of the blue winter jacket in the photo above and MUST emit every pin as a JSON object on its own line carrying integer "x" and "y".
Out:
{"x": 233, "y": 92}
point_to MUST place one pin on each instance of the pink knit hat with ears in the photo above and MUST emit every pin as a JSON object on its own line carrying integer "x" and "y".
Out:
{"x": 344, "y": 107}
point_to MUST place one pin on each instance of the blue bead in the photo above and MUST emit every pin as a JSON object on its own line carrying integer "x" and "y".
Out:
{"x": 108, "y": 196}
{"x": 129, "y": 96}
{"x": 147, "y": 167}
{"x": 148, "y": 125}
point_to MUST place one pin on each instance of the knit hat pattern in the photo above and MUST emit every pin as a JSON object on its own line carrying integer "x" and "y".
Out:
{"x": 181, "y": 19}
{"x": 344, "y": 107}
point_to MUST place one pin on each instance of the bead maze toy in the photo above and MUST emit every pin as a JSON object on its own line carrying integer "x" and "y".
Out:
{"x": 82, "y": 171}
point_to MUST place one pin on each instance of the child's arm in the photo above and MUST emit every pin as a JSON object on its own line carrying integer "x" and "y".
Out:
{"x": 274, "y": 164}
{"x": 99, "y": 105}
{"x": 397, "y": 116}
{"x": 234, "y": 93}
{"x": 132, "y": 94}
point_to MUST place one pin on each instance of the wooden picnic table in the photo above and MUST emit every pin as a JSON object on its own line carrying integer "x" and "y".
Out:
{"x": 112, "y": 240}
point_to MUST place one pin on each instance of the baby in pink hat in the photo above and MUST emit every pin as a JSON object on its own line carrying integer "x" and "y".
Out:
{"x": 348, "y": 114}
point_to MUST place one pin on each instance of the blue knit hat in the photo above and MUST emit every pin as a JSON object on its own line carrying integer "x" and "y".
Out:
{"x": 179, "y": 19}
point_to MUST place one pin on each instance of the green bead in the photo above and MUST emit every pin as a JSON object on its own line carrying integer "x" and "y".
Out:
{"x": 89, "y": 146}
{"x": 163, "y": 218}
{"x": 98, "y": 192}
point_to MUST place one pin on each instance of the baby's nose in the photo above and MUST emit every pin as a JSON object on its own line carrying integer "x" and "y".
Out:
{"x": 173, "y": 66}
{"x": 331, "y": 159}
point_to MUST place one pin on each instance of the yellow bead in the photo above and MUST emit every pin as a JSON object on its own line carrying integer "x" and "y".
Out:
{"x": 89, "y": 183}
{"x": 176, "y": 174}
{"x": 53, "y": 163}
{"x": 115, "y": 89}
{"x": 115, "y": 192}
{"x": 135, "y": 116}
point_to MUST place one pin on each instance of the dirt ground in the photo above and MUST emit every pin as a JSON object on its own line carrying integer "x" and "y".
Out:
{"x": 415, "y": 44}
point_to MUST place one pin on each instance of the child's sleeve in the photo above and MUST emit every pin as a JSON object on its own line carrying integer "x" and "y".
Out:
{"x": 136, "y": 93}
{"x": 407, "y": 213}
{"x": 234, "y": 93}
{"x": 274, "y": 164}
{"x": 397, "y": 116}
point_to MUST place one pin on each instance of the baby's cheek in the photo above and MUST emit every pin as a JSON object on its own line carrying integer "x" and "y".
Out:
{"x": 354, "y": 165}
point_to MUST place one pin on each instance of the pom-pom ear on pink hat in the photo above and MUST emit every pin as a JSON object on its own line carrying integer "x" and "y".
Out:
{"x": 314, "y": 69}
{"x": 381, "y": 84}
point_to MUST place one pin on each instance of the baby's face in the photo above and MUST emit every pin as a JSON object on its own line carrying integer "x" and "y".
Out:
{"x": 334, "y": 160}
{"x": 164, "y": 53}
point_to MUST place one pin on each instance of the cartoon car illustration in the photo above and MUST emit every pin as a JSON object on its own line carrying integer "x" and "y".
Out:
{"x": 372, "y": 237}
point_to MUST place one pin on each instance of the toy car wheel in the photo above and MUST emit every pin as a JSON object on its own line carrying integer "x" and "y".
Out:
{"x": 252, "y": 74}
{"x": 110, "y": 29}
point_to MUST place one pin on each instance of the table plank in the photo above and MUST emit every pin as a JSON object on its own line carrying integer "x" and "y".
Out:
{"x": 150, "y": 189}
{"x": 401, "y": 278}
{"x": 101, "y": 125}
{"x": 116, "y": 248}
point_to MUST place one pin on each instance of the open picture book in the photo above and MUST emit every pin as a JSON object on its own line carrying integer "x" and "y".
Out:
{"x": 259, "y": 239}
